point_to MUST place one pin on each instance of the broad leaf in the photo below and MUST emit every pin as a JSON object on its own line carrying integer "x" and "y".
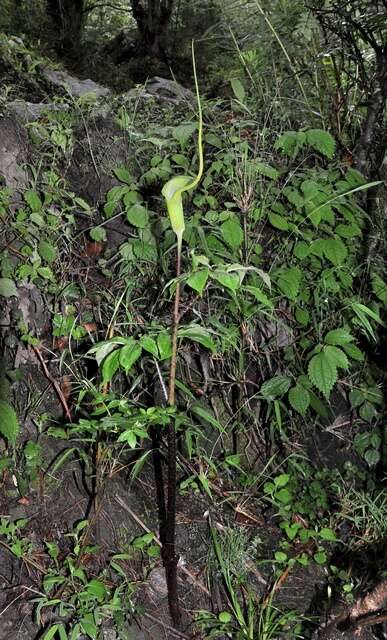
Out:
{"x": 299, "y": 399}
{"x": 338, "y": 337}
{"x": 337, "y": 357}
{"x": 8, "y": 288}
{"x": 275, "y": 387}
{"x": 129, "y": 354}
{"x": 322, "y": 373}
{"x": 9, "y": 424}
{"x": 198, "y": 280}
{"x": 232, "y": 232}
{"x": 137, "y": 215}
{"x": 199, "y": 334}
{"x": 321, "y": 141}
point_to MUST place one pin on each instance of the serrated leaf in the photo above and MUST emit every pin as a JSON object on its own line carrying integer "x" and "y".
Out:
{"x": 338, "y": 337}
{"x": 129, "y": 354}
{"x": 276, "y": 387}
{"x": 137, "y": 215}
{"x": 327, "y": 534}
{"x": 183, "y": 132}
{"x": 123, "y": 175}
{"x": 8, "y": 288}
{"x": 232, "y": 233}
{"x": 33, "y": 200}
{"x": 348, "y": 230}
{"x": 277, "y": 221}
{"x": 47, "y": 251}
{"x": 266, "y": 170}
{"x": 199, "y": 334}
{"x": 335, "y": 251}
{"x": 289, "y": 282}
{"x": 322, "y": 373}
{"x": 321, "y": 141}
{"x": 299, "y": 399}
{"x": 336, "y": 356}
{"x": 198, "y": 280}
{"x": 9, "y": 423}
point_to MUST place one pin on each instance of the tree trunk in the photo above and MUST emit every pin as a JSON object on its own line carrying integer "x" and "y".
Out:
{"x": 68, "y": 20}
{"x": 153, "y": 21}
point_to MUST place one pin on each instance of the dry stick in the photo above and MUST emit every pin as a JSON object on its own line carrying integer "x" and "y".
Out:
{"x": 54, "y": 383}
{"x": 184, "y": 569}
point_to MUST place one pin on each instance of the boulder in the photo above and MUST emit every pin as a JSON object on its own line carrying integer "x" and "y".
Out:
{"x": 14, "y": 152}
{"x": 164, "y": 90}
{"x": 74, "y": 86}
{"x": 30, "y": 112}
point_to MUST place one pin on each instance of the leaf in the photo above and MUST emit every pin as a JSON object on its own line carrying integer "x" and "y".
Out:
{"x": 290, "y": 142}
{"x": 137, "y": 215}
{"x": 338, "y": 337}
{"x": 232, "y": 232}
{"x": 199, "y": 334}
{"x": 8, "y": 288}
{"x": 301, "y": 250}
{"x": 129, "y": 354}
{"x": 299, "y": 399}
{"x": 33, "y": 200}
{"x": 275, "y": 387}
{"x": 199, "y": 411}
{"x": 46, "y": 273}
{"x": 238, "y": 89}
{"x": 164, "y": 345}
{"x": 278, "y": 221}
{"x": 198, "y": 280}
{"x": 9, "y": 424}
{"x": 289, "y": 282}
{"x": 259, "y": 296}
{"x": 149, "y": 344}
{"x": 327, "y": 534}
{"x": 110, "y": 366}
{"x": 224, "y": 617}
{"x": 337, "y": 357}
{"x": 266, "y": 170}
{"x": 123, "y": 175}
{"x": 353, "y": 352}
{"x": 229, "y": 280}
{"x": 98, "y": 234}
{"x": 372, "y": 457}
{"x": 321, "y": 141}
{"x": 348, "y": 230}
{"x": 183, "y": 132}
{"x": 322, "y": 373}
{"x": 335, "y": 251}
{"x": 47, "y": 251}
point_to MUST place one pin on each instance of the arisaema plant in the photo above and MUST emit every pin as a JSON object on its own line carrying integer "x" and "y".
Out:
{"x": 173, "y": 192}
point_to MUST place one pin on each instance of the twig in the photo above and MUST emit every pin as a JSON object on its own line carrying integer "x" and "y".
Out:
{"x": 184, "y": 569}
{"x": 54, "y": 382}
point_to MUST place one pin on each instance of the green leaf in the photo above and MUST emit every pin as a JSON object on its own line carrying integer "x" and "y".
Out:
{"x": 47, "y": 251}
{"x": 356, "y": 398}
{"x": 337, "y": 357}
{"x": 232, "y": 232}
{"x": 281, "y": 480}
{"x": 137, "y": 215}
{"x": 266, "y": 170}
{"x": 123, "y": 175}
{"x": 199, "y": 411}
{"x": 321, "y": 141}
{"x": 289, "y": 282}
{"x": 198, "y": 280}
{"x": 301, "y": 250}
{"x": 278, "y": 221}
{"x": 299, "y": 399}
{"x": 199, "y": 334}
{"x": 335, "y": 251}
{"x": 372, "y": 457}
{"x": 224, "y": 617}
{"x": 338, "y": 337}
{"x": 348, "y": 230}
{"x": 322, "y": 373}
{"x": 9, "y": 424}
{"x": 8, "y": 288}
{"x": 259, "y": 296}
{"x": 327, "y": 534}
{"x": 129, "y": 354}
{"x": 164, "y": 345}
{"x": 46, "y": 273}
{"x": 33, "y": 200}
{"x": 229, "y": 280}
{"x": 98, "y": 234}
{"x": 149, "y": 344}
{"x": 110, "y": 366}
{"x": 238, "y": 89}
{"x": 97, "y": 589}
{"x": 275, "y": 387}
{"x": 183, "y": 132}
{"x": 302, "y": 316}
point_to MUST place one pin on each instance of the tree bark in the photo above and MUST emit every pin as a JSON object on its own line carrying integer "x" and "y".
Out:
{"x": 68, "y": 20}
{"x": 153, "y": 19}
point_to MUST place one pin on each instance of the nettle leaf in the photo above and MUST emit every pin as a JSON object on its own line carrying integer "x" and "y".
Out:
{"x": 123, "y": 175}
{"x": 348, "y": 230}
{"x": 129, "y": 354}
{"x": 278, "y": 221}
{"x": 47, "y": 251}
{"x": 299, "y": 399}
{"x": 266, "y": 170}
{"x": 289, "y": 282}
{"x": 322, "y": 373}
{"x": 232, "y": 232}
{"x": 336, "y": 356}
{"x": 353, "y": 352}
{"x": 8, "y": 288}
{"x": 335, "y": 251}
{"x": 275, "y": 387}
{"x": 183, "y": 132}
{"x": 198, "y": 280}
{"x": 199, "y": 334}
{"x": 9, "y": 424}
{"x": 137, "y": 215}
{"x": 321, "y": 141}
{"x": 291, "y": 142}
{"x": 338, "y": 337}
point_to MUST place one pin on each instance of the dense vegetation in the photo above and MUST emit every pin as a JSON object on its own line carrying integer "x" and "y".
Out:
{"x": 192, "y": 367}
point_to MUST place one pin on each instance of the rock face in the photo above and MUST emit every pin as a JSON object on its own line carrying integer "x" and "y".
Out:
{"x": 13, "y": 154}
{"x": 165, "y": 90}
{"x": 76, "y": 87}
{"x": 29, "y": 111}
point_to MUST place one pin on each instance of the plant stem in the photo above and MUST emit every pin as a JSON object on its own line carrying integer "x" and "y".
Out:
{"x": 169, "y": 553}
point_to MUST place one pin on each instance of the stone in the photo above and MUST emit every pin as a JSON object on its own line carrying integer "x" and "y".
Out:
{"x": 75, "y": 87}
{"x": 30, "y": 112}
{"x": 13, "y": 154}
{"x": 165, "y": 90}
